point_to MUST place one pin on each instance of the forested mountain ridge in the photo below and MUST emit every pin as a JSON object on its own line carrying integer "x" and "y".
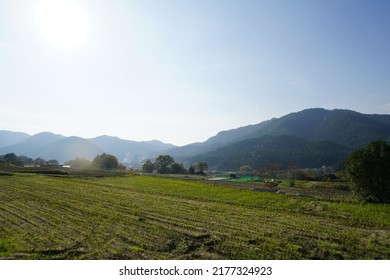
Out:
{"x": 345, "y": 128}
{"x": 309, "y": 138}
{"x": 282, "y": 150}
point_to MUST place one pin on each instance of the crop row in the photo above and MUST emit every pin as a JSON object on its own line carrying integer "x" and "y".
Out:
{"x": 148, "y": 218}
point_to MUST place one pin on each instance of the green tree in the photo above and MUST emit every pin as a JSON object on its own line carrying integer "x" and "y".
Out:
{"x": 52, "y": 162}
{"x": 79, "y": 163}
{"x": 178, "y": 168}
{"x": 148, "y": 167}
{"x": 26, "y": 160}
{"x": 191, "y": 169}
{"x": 11, "y": 158}
{"x": 122, "y": 167}
{"x": 105, "y": 161}
{"x": 163, "y": 164}
{"x": 369, "y": 171}
{"x": 201, "y": 167}
{"x": 246, "y": 169}
{"x": 39, "y": 161}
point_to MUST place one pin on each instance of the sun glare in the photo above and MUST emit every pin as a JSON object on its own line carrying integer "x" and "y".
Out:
{"x": 63, "y": 22}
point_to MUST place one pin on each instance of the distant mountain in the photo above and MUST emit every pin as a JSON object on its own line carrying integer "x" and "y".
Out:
{"x": 8, "y": 138}
{"x": 33, "y": 146}
{"x": 48, "y": 146}
{"x": 217, "y": 141}
{"x": 130, "y": 151}
{"x": 344, "y": 127}
{"x": 282, "y": 150}
{"x": 334, "y": 133}
{"x": 69, "y": 148}
{"x": 232, "y": 135}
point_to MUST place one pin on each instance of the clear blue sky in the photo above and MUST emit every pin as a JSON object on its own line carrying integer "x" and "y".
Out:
{"x": 181, "y": 71}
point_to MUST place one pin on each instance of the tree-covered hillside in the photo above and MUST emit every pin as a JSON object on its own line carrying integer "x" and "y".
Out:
{"x": 270, "y": 150}
{"x": 344, "y": 127}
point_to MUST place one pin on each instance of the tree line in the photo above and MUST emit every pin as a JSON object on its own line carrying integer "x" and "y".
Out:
{"x": 281, "y": 149}
{"x": 165, "y": 164}
{"x": 12, "y": 158}
{"x": 369, "y": 172}
{"x": 368, "y": 169}
{"x": 103, "y": 161}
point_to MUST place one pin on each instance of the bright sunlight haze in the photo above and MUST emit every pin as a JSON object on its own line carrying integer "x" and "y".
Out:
{"x": 63, "y": 23}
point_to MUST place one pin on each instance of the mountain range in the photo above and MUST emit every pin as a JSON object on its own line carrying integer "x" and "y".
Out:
{"x": 54, "y": 146}
{"x": 309, "y": 138}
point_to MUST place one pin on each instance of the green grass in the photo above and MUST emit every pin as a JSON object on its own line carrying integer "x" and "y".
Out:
{"x": 245, "y": 179}
{"x": 144, "y": 217}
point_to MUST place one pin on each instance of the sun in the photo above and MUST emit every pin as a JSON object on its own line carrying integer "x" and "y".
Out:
{"x": 62, "y": 22}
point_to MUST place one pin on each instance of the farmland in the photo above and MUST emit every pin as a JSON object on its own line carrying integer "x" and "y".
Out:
{"x": 142, "y": 217}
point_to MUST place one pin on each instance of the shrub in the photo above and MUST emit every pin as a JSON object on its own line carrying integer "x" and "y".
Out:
{"x": 369, "y": 172}
{"x": 105, "y": 161}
